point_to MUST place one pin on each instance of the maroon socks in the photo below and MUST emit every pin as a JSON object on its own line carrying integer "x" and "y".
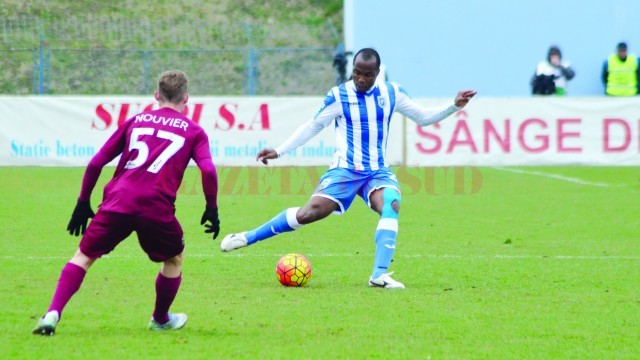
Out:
{"x": 72, "y": 276}
{"x": 70, "y": 280}
{"x": 166, "y": 291}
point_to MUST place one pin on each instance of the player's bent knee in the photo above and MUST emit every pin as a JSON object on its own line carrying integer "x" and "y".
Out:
{"x": 82, "y": 260}
{"x": 306, "y": 216}
{"x": 174, "y": 261}
{"x": 313, "y": 212}
{"x": 172, "y": 267}
{"x": 390, "y": 202}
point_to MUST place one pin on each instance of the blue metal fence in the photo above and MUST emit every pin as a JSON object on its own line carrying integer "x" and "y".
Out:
{"x": 70, "y": 57}
{"x": 253, "y": 71}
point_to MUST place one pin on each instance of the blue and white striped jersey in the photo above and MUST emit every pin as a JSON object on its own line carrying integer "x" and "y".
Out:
{"x": 362, "y": 123}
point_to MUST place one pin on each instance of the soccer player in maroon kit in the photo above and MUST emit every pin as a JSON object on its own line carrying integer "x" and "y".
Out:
{"x": 156, "y": 147}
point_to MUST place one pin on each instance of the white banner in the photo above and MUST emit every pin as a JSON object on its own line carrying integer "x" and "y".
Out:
{"x": 68, "y": 131}
{"x": 531, "y": 131}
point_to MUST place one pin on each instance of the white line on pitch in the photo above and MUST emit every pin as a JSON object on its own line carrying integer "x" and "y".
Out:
{"x": 432, "y": 256}
{"x": 552, "y": 176}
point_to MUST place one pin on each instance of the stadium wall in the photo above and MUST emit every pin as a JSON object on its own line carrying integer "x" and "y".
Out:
{"x": 69, "y": 130}
{"x": 436, "y": 48}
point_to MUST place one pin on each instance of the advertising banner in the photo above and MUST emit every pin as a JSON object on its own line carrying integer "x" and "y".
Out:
{"x": 69, "y": 130}
{"x": 531, "y": 131}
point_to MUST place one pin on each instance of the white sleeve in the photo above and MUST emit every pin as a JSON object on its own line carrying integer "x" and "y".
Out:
{"x": 299, "y": 137}
{"x": 330, "y": 110}
{"x": 422, "y": 116}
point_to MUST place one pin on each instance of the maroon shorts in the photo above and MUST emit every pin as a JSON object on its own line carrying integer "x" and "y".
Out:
{"x": 161, "y": 240}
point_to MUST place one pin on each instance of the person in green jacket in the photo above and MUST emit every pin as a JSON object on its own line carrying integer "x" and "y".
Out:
{"x": 620, "y": 73}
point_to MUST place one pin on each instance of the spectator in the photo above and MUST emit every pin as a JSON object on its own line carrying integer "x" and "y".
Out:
{"x": 620, "y": 73}
{"x": 340, "y": 64}
{"x": 552, "y": 74}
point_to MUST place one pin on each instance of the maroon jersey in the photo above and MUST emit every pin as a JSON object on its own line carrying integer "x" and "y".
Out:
{"x": 156, "y": 147}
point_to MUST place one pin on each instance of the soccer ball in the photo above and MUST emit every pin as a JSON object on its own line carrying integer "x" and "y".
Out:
{"x": 293, "y": 270}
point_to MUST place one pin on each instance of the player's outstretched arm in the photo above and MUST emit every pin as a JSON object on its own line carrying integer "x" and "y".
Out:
{"x": 463, "y": 98}
{"x": 325, "y": 116}
{"x": 427, "y": 116}
{"x": 265, "y": 155}
{"x": 299, "y": 137}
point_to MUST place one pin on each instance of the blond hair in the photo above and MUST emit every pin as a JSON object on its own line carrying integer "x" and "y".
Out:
{"x": 172, "y": 86}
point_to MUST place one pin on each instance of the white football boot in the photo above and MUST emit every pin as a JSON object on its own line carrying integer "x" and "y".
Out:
{"x": 233, "y": 241}
{"x": 47, "y": 324}
{"x": 385, "y": 281}
{"x": 176, "y": 322}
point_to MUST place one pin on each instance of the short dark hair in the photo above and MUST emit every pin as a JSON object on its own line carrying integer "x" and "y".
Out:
{"x": 368, "y": 53}
{"x": 622, "y": 46}
{"x": 554, "y": 49}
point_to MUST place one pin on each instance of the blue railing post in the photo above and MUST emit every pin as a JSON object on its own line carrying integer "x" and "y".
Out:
{"x": 41, "y": 68}
{"x": 34, "y": 71}
{"x": 250, "y": 60}
{"x": 146, "y": 73}
{"x": 253, "y": 57}
{"x": 44, "y": 60}
{"x": 47, "y": 81}
{"x": 248, "y": 71}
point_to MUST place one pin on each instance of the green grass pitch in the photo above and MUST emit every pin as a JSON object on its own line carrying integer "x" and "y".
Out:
{"x": 512, "y": 263}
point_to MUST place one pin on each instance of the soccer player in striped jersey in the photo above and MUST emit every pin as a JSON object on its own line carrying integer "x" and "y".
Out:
{"x": 155, "y": 147}
{"x": 360, "y": 110}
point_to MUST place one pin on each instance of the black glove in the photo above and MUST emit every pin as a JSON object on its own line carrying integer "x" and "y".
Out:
{"x": 80, "y": 217}
{"x": 211, "y": 215}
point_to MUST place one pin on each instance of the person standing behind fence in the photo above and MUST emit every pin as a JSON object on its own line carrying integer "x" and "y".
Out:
{"x": 155, "y": 147}
{"x": 620, "y": 73}
{"x": 552, "y": 75}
